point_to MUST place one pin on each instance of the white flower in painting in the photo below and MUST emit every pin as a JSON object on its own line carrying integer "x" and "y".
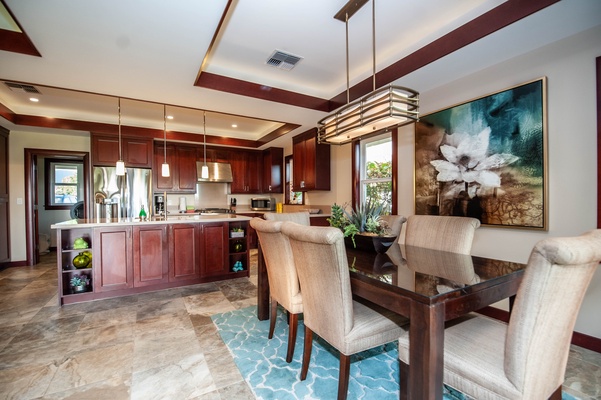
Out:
{"x": 468, "y": 162}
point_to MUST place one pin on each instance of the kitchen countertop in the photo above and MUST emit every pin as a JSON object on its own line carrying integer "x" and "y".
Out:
{"x": 172, "y": 219}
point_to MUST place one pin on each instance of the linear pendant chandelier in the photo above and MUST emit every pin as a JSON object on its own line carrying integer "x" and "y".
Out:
{"x": 388, "y": 107}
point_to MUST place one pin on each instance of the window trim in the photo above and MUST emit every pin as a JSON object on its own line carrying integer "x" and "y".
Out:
{"x": 356, "y": 169}
{"x": 49, "y": 186}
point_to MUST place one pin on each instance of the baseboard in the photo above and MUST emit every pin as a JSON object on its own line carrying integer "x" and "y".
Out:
{"x": 13, "y": 264}
{"x": 579, "y": 339}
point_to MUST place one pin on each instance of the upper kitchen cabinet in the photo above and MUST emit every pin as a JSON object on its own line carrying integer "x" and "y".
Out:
{"x": 216, "y": 154}
{"x": 182, "y": 166}
{"x": 273, "y": 170}
{"x": 311, "y": 163}
{"x": 136, "y": 152}
{"x": 246, "y": 171}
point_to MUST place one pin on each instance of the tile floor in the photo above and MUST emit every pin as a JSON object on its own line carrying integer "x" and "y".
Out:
{"x": 159, "y": 345}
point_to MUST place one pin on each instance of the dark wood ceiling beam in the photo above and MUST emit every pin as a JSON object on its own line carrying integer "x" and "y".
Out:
{"x": 496, "y": 19}
{"x": 489, "y": 22}
{"x": 16, "y": 42}
{"x": 249, "y": 89}
{"x": 112, "y": 129}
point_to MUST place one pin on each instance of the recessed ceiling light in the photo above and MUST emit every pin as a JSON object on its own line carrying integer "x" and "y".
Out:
{"x": 234, "y": 125}
{"x": 34, "y": 99}
{"x": 169, "y": 116}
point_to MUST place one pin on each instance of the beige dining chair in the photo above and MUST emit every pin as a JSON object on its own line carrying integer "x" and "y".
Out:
{"x": 395, "y": 224}
{"x": 283, "y": 281}
{"x": 329, "y": 310}
{"x": 445, "y": 233}
{"x": 301, "y": 217}
{"x": 525, "y": 359}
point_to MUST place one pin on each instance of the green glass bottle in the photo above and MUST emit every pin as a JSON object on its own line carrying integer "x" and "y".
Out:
{"x": 142, "y": 214}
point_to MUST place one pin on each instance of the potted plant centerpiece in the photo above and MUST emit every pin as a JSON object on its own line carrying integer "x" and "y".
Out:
{"x": 362, "y": 226}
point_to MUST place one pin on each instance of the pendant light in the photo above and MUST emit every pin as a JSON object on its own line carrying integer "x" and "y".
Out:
{"x": 388, "y": 107}
{"x": 165, "y": 166}
{"x": 204, "y": 172}
{"x": 120, "y": 166}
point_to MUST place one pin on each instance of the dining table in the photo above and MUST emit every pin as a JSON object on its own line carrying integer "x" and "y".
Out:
{"x": 430, "y": 287}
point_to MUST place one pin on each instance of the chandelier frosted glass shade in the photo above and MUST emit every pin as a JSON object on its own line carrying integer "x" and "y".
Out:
{"x": 388, "y": 107}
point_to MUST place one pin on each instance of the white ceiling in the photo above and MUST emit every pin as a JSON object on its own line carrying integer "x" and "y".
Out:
{"x": 149, "y": 52}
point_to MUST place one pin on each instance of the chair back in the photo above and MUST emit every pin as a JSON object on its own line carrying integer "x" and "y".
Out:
{"x": 301, "y": 217}
{"x": 395, "y": 223}
{"x": 281, "y": 272}
{"x": 446, "y": 233}
{"x": 547, "y": 303}
{"x": 320, "y": 258}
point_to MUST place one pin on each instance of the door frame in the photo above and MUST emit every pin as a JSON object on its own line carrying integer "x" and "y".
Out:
{"x": 31, "y": 226}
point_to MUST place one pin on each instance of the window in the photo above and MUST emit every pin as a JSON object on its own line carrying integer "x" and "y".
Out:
{"x": 291, "y": 197}
{"x": 64, "y": 183}
{"x": 376, "y": 171}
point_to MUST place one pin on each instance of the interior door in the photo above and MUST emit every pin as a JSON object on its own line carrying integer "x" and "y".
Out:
{"x": 36, "y": 230}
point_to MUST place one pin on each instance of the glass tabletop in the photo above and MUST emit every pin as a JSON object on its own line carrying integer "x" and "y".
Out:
{"x": 430, "y": 273}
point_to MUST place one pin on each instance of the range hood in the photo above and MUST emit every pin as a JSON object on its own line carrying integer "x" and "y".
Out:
{"x": 218, "y": 172}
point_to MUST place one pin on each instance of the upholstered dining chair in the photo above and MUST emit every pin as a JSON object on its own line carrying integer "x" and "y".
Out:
{"x": 395, "y": 223}
{"x": 329, "y": 310}
{"x": 301, "y": 217}
{"x": 525, "y": 359}
{"x": 445, "y": 233}
{"x": 283, "y": 281}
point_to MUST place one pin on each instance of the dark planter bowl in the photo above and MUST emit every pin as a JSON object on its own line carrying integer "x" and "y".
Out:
{"x": 370, "y": 243}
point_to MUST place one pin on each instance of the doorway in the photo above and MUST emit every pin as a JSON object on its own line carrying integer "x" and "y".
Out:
{"x": 32, "y": 197}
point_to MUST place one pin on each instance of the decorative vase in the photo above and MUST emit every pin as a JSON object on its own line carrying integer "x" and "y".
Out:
{"x": 79, "y": 289}
{"x": 370, "y": 243}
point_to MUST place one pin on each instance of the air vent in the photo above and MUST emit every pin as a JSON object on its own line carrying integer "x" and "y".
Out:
{"x": 16, "y": 87}
{"x": 282, "y": 60}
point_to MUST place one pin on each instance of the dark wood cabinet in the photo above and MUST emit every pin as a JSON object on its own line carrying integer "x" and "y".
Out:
{"x": 136, "y": 152}
{"x": 184, "y": 252}
{"x": 150, "y": 255}
{"x": 273, "y": 170}
{"x": 112, "y": 259}
{"x": 182, "y": 165}
{"x": 214, "y": 249}
{"x": 246, "y": 171}
{"x": 311, "y": 163}
{"x": 215, "y": 154}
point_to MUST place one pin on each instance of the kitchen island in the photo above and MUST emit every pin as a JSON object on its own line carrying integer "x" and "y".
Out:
{"x": 129, "y": 256}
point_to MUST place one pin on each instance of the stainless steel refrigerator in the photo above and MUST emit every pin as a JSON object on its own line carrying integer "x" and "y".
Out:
{"x": 122, "y": 196}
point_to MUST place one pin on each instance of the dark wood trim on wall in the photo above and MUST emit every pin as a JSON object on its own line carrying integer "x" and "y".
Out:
{"x": 598, "y": 61}
{"x": 395, "y": 168}
{"x": 578, "y": 339}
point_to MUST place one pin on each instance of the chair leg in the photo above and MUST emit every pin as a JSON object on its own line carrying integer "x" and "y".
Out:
{"x": 556, "y": 394}
{"x": 292, "y": 336}
{"x": 307, "y": 352}
{"x": 274, "y": 314}
{"x": 343, "y": 376}
{"x": 403, "y": 381}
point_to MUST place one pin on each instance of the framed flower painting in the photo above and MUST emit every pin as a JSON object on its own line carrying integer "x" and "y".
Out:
{"x": 486, "y": 158}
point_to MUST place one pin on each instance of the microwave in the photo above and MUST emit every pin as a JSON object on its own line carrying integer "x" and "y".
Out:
{"x": 262, "y": 204}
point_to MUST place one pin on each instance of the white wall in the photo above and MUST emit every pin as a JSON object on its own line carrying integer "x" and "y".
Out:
{"x": 18, "y": 142}
{"x": 569, "y": 66}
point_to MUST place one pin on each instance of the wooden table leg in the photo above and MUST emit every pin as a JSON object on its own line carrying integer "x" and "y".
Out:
{"x": 263, "y": 287}
{"x": 426, "y": 351}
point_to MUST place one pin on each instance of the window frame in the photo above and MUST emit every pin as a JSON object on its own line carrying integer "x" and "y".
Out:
{"x": 357, "y": 168}
{"x": 49, "y": 184}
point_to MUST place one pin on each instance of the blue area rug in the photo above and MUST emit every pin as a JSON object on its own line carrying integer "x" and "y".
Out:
{"x": 262, "y": 362}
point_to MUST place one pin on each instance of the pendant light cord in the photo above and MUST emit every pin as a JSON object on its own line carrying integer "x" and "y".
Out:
{"x": 204, "y": 128}
{"x": 373, "y": 39}
{"x": 119, "y": 111}
{"x": 165, "y": 133}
